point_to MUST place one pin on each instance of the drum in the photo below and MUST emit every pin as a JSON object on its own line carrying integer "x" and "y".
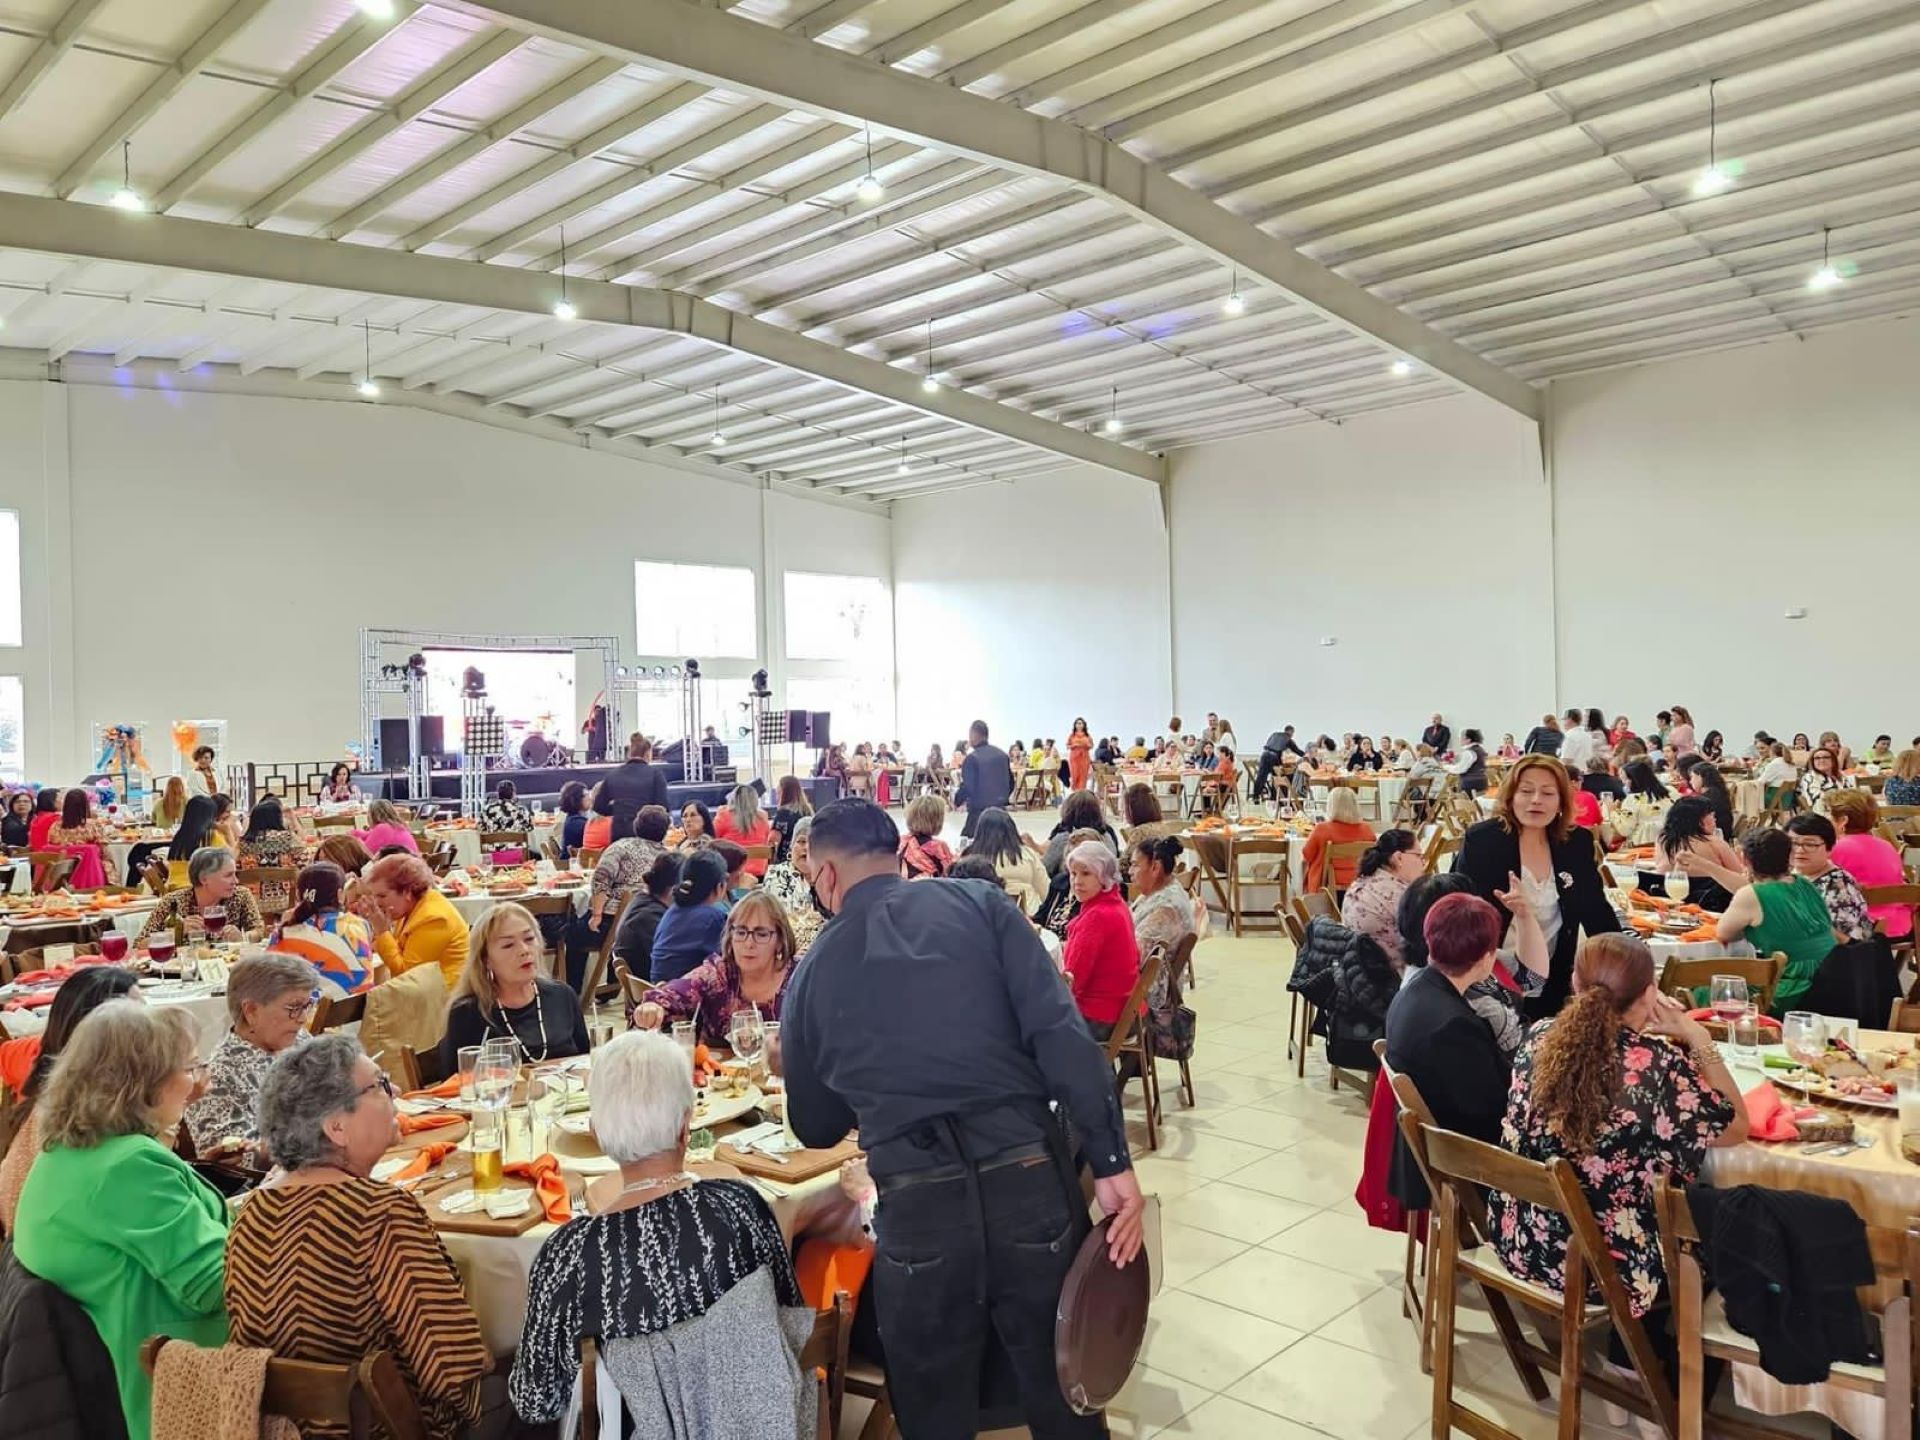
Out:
{"x": 536, "y": 751}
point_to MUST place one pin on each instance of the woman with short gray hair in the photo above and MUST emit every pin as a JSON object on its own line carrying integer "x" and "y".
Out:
{"x": 791, "y": 883}
{"x": 1102, "y": 957}
{"x": 373, "y": 1274}
{"x": 270, "y": 998}
{"x": 680, "y": 1278}
{"x": 211, "y": 881}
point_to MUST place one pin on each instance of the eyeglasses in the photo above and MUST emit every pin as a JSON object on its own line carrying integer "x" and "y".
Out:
{"x": 197, "y": 1069}
{"x": 754, "y": 932}
{"x": 1807, "y": 842}
{"x": 385, "y": 1082}
{"x": 300, "y": 1009}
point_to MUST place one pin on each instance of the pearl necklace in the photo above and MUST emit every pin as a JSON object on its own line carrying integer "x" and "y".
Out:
{"x": 540, "y": 1013}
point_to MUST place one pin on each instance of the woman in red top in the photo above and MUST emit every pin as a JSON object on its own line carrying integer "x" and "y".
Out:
{"x": 1102, "y": 958}
{"x": 743, "y": 822}
{"x": 46, "y": 815}
{"x": 1343, "y": 826}
{"x": 1079, "y": 756}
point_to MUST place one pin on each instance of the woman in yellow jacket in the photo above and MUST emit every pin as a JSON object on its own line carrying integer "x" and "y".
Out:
{"x": 412, "y": 922}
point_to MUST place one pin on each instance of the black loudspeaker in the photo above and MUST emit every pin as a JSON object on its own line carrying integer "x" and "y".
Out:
{"x": 394, "y": 754}
{"x": 433, "y": 736}
{"x": 819, "y": 729}
{"x": 796, "y": 727}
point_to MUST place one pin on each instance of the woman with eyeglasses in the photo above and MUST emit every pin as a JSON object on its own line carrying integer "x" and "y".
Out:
{"x": 753, "y": 967}
{"x": 502, "y": 995}
{"x": 373, "y": 1272}
{"x": 109, "y": 1213}
{"x": 270, "y": 998}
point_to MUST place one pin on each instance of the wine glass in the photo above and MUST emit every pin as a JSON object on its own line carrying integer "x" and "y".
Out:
{"x": 1805, "y": 1035}
{"x": 1729, "y": 996}
{"x": 747, "y": 1033}
{"x": 493, "y": 1076}
{"x": 113, "y": 947}
{"x": 1677, "y": 885}
{"x": 214, "y": 917}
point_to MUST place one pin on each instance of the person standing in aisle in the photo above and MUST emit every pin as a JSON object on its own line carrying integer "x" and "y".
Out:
{"x": 930, "y": 1016}
{"x": 636, "y": 784}
{"x": 1079, "y": 756}
{"x": 986, "y": 778}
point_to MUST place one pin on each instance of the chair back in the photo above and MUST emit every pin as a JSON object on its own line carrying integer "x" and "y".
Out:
{"x": 634, "y": 987}
{"x": 51, "y": 870}
{"x": 1905, "y": 1019}
{"x": 369, "y": 1398}
{"x": 1761, "y": 972}
{"x": 332, "y": 1014}
{"x": 594, "y": 980}
{"x": 157, "y": 874}
{"x": 502, "y": 839}
{"x": 1126, "y": 1029}
{"x": 1337, "y": 854}
{"x": 1316, "y": 905}
{"x": 1907, "y": 895}
{"x": 256, "y": 878}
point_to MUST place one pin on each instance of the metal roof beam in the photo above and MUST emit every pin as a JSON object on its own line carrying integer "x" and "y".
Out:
{"x": 1042, "y": 37}
{"x": 741, "y": 55}
{"x": 57, "y": 42}
{"x": 162, "y": 88}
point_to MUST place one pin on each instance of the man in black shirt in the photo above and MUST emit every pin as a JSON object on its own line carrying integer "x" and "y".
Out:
{"x": 1271, "y": 754}
{"x": 1544, "y": 738}
{"x": 633, "y": 785}
{"x": 1437, "y": 735}
{"x": 986, "y": 778}
{"x": 929, "y": 1015}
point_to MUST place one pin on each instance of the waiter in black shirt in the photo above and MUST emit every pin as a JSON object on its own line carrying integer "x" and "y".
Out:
{"x": 1272, "y": 754}
{"x": 929, "y": 1015}
{"x": 634, "y": 785}
{"x": 1437, "y": 735}
{"x": 986, "y": 778}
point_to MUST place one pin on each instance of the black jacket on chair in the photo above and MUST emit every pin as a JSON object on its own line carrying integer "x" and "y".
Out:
{"x": 1435, "y": 1039}
{"x": 56, "y": 1377}
{"x": 1491, "y": 853}
{"x": 1350, "y": 980}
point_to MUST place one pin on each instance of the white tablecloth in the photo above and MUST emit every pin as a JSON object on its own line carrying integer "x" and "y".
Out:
{"x": 466, "y": 843}
{"x": 472, "y": 907}
{"x": 207, "y": 1010}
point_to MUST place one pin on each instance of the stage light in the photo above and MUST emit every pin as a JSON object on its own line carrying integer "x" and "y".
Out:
{"x": 126, "y": 197}
{"x": 660, "y": 670}
{"x": 674, "y": 671}
{"x": 693, "y": 667}
{"x": 1400, "y": 368}
{"x": 620, "y": 671}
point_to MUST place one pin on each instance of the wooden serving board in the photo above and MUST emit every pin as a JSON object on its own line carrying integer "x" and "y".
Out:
{"x": 478, "y": 1222}
{"x": 801, "y": 1164}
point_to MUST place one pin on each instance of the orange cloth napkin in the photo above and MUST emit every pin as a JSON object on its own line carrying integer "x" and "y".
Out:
{"x": 1644, "y": 924}
{"x": 548, "y": 1184}
{"x": 432, "y": 1120}
{"x": 424, "y": 1159}
{"x": 1768, "y": 1116}
{"x": 447, "y": 1089}
{"x": 1767, "y": 1023}
{"x": 1699, "y": 932}
{"x": 824, "y": 1268}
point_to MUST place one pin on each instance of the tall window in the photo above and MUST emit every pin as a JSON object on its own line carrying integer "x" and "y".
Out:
{"x": 839, "y": 617}
{"x": 13, "y": 754}
{"x": 697, "y": 611}
{"x": 10, "y": 578}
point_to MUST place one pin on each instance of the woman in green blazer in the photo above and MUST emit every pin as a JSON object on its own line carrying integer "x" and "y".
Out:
{"x": 109, "y": 1213}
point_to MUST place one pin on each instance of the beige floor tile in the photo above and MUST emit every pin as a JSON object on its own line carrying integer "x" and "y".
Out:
{"x": 1342, "y": 1240}
{"x": 1223, "y": 1088}
{"x": 1166, "y": 1178}
{"x": 1310, "y": 1180}
{"x": 1224, "y": 1418}
{"x": 1207, "y": 1344}
{"x": 1248, "y": 1123}
{"x": 1150, "y": 1402}
{"x": 1282, "y": 1289}
{"x": 1187, "y": 1252}
{"x": 1214, "y": 1156}
{"x": 1236, "y": 1212}
{"x": 1343, "y": 1392}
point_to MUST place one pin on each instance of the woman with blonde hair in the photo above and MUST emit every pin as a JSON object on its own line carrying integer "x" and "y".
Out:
{"x": 172, "y": 804}
{"x": 1628, "y": 1088}
{"x": 923, "y": 854}
{"x": 1903, "y": 786}
{"x": 742, "y": 821}
{"x": 501, "y": 993}
{"x": 386, "y": 826}
{"x": 1343, "y": 826}
{"x": 753, "y": 967}
{"x": 152, "y": 1261}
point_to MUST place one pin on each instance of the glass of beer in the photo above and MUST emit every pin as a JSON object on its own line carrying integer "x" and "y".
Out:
{"x": 487, "y": 1140}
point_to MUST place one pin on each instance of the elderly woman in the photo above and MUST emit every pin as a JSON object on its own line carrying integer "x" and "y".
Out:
{"x": 997, "y": 838}
{"x": 1162, "y": 913}
{"x": 679, "y": 1278}
{"x": 270, "y": 998}
{"x": 1532, "y": 839}
{"x": 742, "y": 821}
{"x": 269, "y": 845}
{"x": 1869, "y": 859}
{"x": 1903, "y": 786}
{"x": 1812, "y": 838}
{"x": 151, "y": 1262}
{"x": 791, "y": 883}
{"x": 1779, "y": 911}
{"x": 505, "y": 812}
{"x": 1343, "y": 826}
{"x": 211, "y": 881}
{"x": 1371, "y": 906}
{"x": 412, "y": 922}
{"x": 1101, "y": 958}
{"x": 1628, "y": 1088}
{"x": 319, "y": 930}
{"x": 373, "y": 1273}
{"x": 386, "y": 826}
{"x": 83, "y": 992}
{"x": 502, "y": 995}
{"x": 753, "y": 967}
{"x": 923, "y": 854}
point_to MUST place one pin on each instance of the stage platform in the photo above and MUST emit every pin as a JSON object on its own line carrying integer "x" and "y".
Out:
{"x": 544, "y": 785}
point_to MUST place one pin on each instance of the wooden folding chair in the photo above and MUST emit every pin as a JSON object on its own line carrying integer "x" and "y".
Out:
{"x": 439, "y": 861}
{"x": 1680, "y": 978}
{"x": 1905, "y": 1019}
{"x": 369, "y": 1398}
{"x": 1203, "y": 869}
{"x": 595, "y": 978}
{"x": 1262, "y": 851}
{"x": 1413, "y": 1276}
{"x": 1300, "y": 1010}
{"x": 1907, "y": 895}
{"x": 1129, "y": 1037}
{"x": 541, "y": 906}
{"x": 157, "y": 875}
{"x": 51, "y": 870}
{"x": 1701, "y": 1330}
{"x": 256, "y": 878}
{"x": 334, "y": 822}
{"x": 1182, "y": 960}
{"x": 1459, "y": 1169}
{"x": 1335, "y": 854}
{"x": 555, "y": 853}
{"x": 331, "y": 1014}
{"x": 633, "y": 987}
{"x": 491, "y": 840}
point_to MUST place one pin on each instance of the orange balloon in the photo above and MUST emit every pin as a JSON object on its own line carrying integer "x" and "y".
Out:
{"x": 186, "y": 735}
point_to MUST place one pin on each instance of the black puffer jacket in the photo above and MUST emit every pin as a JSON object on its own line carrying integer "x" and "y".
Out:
{"x": 1350, "y": 980}
{"x": 56, "y": 1378}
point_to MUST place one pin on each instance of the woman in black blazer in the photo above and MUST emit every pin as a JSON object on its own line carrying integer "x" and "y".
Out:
{"x": 1532, "y": 836}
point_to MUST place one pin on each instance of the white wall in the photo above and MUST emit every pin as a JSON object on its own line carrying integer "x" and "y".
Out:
{"x": 1027, "y": 603}
{"x": 228, "y": 549}
{"x": 1418, "y": 538}
{"x": 1697, "y": 500}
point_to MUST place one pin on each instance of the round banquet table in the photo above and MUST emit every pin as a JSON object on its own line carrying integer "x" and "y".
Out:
{"x": 1882, "y": 1187}
{"x": 205, "y": 1006}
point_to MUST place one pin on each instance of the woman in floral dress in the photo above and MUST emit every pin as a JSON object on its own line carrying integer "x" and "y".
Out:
{"x": 1626, "y": 1087}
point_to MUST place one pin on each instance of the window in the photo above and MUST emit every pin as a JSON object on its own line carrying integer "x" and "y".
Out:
{"x": 839, "y": 617}
{"x": 10, "y": 582}
{"x": 694, "y": 611}
{"x": 861, "y": 707}
{"x": 13, "y": 755}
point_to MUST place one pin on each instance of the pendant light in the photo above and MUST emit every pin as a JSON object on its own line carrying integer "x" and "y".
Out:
{"x": 1114, "y": 427}
{"x": 1715, "y": 178}
{"x": 378, "y": 9}
{"x": 719, "y": 438}
{"x": 1826, "y": 277}
{"x": 1400, "y": 368}
{"x": 369, "y": 387}
{"x": 870, "y": 189}
{"x": 927, "y": 382}
{"x": 126, "y": 197}
{"x": 563, "y": 308}
{"x": 1235, "y": 303}
{"x": 905, "y": 467}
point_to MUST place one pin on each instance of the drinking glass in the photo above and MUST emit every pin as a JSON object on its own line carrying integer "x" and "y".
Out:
{"x": 546, "y": 1097}
{"x": 160, "y": 946}
{"x": 214, "y": 917}
{"x": 1805, "y": 1035}
{"x": 113, "y": 947}
{"x": 1907, "y": 1091}
{"x": 603, "y": 1023}
{"x": 493, "y": 1077}
{"x": 469, "y": 1059}
{"x": 1729, "y": 996}
{"x": 746, "y": 1033}
{"x": 1744, "y": 1033}
{"x": 772, "y": 1040}
{"x": 684, "y": 1035}
{"x": 1677, "y": 885}
{"x": 488, "y": 1139}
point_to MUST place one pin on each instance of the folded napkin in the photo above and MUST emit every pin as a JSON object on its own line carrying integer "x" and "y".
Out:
{"x": 447, "y": 1089}
{"x": 548, "y": 1184}
{"x": 1768, "y": 1116}
{"x": 424, "y": 1159}
{"x": 1698, "y": 933}
{"x": 1707, "y": 1014}
{"x": 432, "y": 1120}
{"x": 1644, "y": 924}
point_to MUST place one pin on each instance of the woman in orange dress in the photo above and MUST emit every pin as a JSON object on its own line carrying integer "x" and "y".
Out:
{"x": 1079, "y": 756}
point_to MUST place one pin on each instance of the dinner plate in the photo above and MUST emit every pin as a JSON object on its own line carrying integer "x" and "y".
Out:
{"x": 1815, "y": 1085}
{"x": 714, "y": 1110}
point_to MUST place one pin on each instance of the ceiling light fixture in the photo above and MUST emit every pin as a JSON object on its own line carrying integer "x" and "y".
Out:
{"x": 870, "y": 188}
{"x": 378, "y": 9}
{"x": 563, "y": 308}
{"x": 368, "y": 387}
{"x": 1114, "y": 427}
{"x": 1716, "y": 177}
{"x": 719, "y": 438}
{"x": 1826, "y": 277}
{"x": 126, "y": 197}
{"x": 927, "y": 382}
{"x": 1401, "y": 367}
{"x": 1235, "y": 303}
{"x": 905, "y": 467}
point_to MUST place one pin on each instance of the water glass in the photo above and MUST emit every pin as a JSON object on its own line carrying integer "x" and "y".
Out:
{"x": 1729, "y": 996}
{"x": 684, "y": 1035}
{"x": 493, "y": 1079}
{"x": 546, "y": 1096}
{"x": 469, "y": 1060}
{"x": 1907, "y": 1092}
{"x": 1744, "y": 1034}
{"x": 1677, "y": 885}
{"x": 772, "y": 1040}
{"x": 1805, "y": 1035}
{"x": 746, "y": 1033}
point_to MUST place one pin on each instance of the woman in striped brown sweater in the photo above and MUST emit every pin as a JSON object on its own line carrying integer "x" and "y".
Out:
{"x": 328, "y": 1265}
